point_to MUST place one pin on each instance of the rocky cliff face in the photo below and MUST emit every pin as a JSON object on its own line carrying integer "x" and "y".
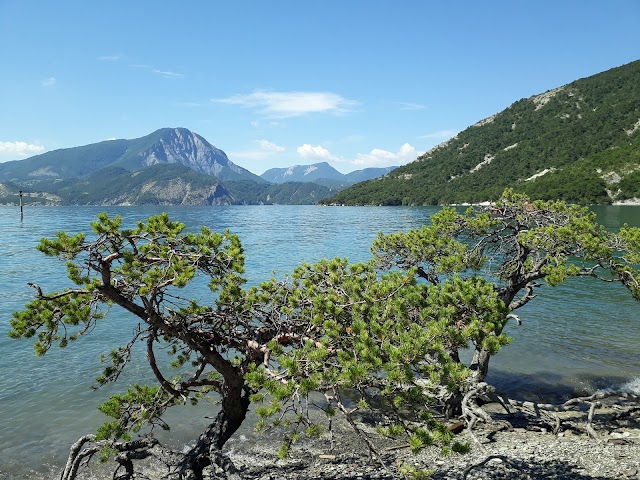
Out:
{"x": 182, "y": 146}
{"x": 177, "y": 191}
{"x": 179, "y": 145}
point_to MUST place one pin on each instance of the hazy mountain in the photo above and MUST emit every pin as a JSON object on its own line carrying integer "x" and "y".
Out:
{"x": 579, "y": 142}
{"x": 302, "y": 173}
{"x": 323, "y": 174}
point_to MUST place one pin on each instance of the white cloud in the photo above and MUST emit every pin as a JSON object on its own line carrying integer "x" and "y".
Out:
{"x": 266, "y": 150}
{"x": 311, "y": 152}
{"x": 111, "y": 58}
{"x": 410, "y": 106}
{"x": 291, "y": 104}
{"x": 266, "y": 145}
{"x": 48, "y": 82}
{"x": 375, "y": 158}
{"x": 165, "y": 74}
{"x": 440, "y": 134}
{"x": 18, "y": 150}
{"x": 383, "y": 158}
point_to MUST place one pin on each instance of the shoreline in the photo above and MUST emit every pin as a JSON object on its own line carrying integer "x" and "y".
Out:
{"x": 524, "y": 450}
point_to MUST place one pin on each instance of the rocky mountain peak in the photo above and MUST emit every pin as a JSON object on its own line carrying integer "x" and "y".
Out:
{"x": 179, "y": 145}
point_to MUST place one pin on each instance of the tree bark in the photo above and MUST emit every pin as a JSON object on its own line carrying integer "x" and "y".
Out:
{"x": 480, "y": 365}
{"x": 207, "y": 450}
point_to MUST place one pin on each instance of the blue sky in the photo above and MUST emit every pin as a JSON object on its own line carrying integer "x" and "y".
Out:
{"x": 279, "y": 83}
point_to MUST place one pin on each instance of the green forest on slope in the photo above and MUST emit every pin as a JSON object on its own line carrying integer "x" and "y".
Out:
{"x": 579, "y": 142}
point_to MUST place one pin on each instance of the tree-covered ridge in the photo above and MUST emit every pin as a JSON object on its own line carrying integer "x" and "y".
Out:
{"x": 579, "y": 142}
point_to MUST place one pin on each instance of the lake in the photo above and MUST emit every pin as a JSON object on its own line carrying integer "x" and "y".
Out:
{"x": 574, "y": 338}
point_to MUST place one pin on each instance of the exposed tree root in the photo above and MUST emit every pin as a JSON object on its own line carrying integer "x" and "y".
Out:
{"x": 196, "y": 464}
{"x": 502, "y": 458}
{"x": 472, "y": 411}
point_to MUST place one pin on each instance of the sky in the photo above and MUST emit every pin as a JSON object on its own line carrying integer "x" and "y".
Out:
{"x": 278, "y": 83}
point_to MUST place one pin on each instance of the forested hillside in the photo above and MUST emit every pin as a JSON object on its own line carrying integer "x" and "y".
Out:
{"x": 579, "y": 142}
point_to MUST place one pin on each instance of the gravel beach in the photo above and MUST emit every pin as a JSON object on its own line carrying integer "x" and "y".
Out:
{"x": 525, "y": 450}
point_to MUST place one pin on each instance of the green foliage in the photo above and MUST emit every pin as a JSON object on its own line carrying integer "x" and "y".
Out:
{"x": 138, "y": 407}
{"x": 136, "y": 269}
{"x": 411, "y": 472}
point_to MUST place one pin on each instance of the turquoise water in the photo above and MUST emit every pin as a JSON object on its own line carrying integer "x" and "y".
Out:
{"x": 577, "y": 337}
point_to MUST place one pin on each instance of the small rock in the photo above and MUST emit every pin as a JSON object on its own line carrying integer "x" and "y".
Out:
{"x": 618, "y": 441}
{"x": 327, "y": 457}
{"x": 456, "y": 427}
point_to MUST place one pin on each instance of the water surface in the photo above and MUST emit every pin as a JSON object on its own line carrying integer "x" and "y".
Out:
{"x": 576, "y": 337}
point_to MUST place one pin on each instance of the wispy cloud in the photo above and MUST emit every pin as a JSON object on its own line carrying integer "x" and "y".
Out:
{"x": 191, "y": 104}
{"x": 410, "y": 106}
{"x": 383, "y": 158}
{"x": 311, "y": 152}
{"x": 440, "y": 134}
{"x": 265, "y": 150}
{"x": 268, "y": 146}
{"x": 291, "y": 104}
{"x": 111, "y": 58}
{"x": 18, "y": 150}
{"x": 166, "y": 74}
{"x": 48, "y": 82}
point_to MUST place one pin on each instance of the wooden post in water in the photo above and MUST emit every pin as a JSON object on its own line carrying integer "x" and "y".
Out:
{"x": 21, "y": 211}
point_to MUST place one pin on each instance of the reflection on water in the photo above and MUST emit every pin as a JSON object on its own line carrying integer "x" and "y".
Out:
{"x": 574, "y": 338}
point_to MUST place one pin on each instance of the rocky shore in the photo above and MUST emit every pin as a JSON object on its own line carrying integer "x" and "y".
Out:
{"x": 525, "y": 449}
{"x": 522, "y": 448}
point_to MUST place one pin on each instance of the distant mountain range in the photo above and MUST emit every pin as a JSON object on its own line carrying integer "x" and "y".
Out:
{"x": 323, "y": 174}
{"x": 169, "y": 166}
{"x": 579, "y": 142}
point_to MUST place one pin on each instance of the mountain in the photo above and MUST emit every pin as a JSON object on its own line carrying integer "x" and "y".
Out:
{"x": 368, "y": 174}
{"x": 164, "y": 146}
{"x": 579, "y": 142}
{"x": 302, "y": 173}
{"x": 171, "y": 166}
{"x": 172, "y": 184}
{"x": 323, "y": 174}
